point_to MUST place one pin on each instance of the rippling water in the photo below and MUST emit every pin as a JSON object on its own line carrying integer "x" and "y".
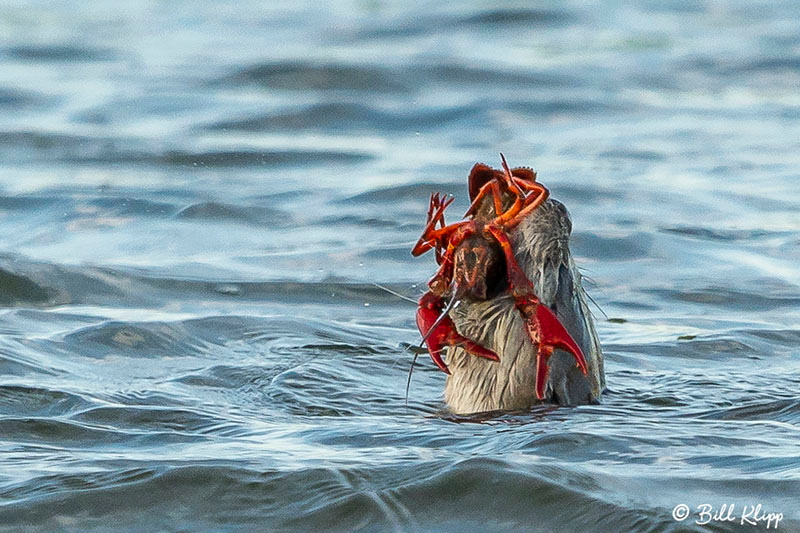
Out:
{"x": 196, "y": 200}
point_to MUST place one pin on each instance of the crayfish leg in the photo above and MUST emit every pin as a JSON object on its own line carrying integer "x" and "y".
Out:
{"x": 439, "y": 331}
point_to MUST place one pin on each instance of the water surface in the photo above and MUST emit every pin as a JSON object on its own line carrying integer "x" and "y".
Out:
{"x": 196, "y": 200}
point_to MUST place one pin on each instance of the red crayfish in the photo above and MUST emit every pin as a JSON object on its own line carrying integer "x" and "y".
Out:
{"x": 477, "y": 262}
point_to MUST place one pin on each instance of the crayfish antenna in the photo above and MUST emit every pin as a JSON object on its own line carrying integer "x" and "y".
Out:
{"x": 510, "y": 177}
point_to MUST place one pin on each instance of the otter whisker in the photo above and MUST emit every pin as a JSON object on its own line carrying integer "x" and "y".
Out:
{"x": 595, "y": 304}
{"x": 394, "y": 293}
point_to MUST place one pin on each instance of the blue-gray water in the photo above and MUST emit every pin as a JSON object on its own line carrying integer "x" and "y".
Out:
{"x": 196, "y": 199}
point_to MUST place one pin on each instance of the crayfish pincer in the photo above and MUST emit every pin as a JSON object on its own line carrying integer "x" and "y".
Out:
{"x": 522, "y": 332}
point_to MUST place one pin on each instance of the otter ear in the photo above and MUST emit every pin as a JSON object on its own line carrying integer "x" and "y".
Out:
{"x": 479, "y": 176}
{"x": 528, "y": 174}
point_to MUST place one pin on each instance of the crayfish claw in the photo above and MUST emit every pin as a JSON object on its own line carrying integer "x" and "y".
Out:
{"x": 436, "y": 357}
{"x": 546, "y": 330}
{"x": 553, "y": 333}
{"x": 439, "y": 331}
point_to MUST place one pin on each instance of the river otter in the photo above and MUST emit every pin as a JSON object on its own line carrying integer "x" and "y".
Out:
{"x": 541, "y": 247}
